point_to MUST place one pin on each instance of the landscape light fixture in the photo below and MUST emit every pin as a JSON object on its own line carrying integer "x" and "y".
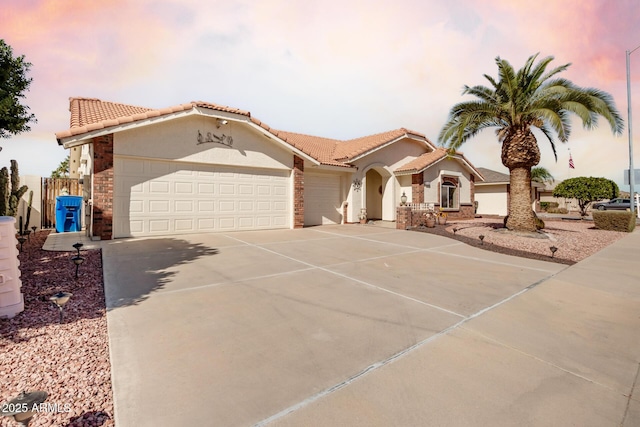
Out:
{"x": 21, "y": 240}
{"x": 60, "y": 299}
{"x": 481, "y": 237}
{"x": 77, "y": 260}
{"x": 77, "y": 247}
{"x": 23, "y": 407}
{"x": 403, "y": 199}
{"x": 34, "y": 228}
{"x": 553, "y": 250}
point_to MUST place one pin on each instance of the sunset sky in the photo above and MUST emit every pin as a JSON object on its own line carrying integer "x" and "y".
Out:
{"x": 338, "y": 69}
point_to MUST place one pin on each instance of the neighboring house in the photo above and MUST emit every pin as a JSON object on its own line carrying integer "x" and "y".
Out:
{"x": 571, "y": 205}
{"x": 201, "y": 167}
{"x": 492, "y": 194}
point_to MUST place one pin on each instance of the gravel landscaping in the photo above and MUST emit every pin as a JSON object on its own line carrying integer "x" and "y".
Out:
{"x": 575, "y": 239}
{"x": 70, "y": 361}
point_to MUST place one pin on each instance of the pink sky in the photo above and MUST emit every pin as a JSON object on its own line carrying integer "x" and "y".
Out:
{"x": 339, "y": 69}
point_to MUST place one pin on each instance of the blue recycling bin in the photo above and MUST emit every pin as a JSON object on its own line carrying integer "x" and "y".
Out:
{"x": 68, "y": 211}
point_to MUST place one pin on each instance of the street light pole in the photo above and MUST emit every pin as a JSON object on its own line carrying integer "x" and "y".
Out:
{"x": 629, "y": 127}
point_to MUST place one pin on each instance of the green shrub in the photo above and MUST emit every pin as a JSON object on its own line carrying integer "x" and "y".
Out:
{"x": 558, "y": 210}
{"x": 547, "y": 205}
{"x": 614, "y": 220}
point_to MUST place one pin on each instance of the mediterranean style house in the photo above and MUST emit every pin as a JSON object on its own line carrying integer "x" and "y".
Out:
{"x": 201, "y": 167}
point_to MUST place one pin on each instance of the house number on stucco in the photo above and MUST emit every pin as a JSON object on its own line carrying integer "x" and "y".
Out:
{"x": 210, "y": 137}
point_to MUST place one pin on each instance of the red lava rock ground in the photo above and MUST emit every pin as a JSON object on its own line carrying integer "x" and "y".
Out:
{"x": 70, "y": 361}
{"x": 574, "y": 240}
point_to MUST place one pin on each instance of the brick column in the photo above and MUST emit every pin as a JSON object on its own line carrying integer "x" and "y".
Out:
{"x": 403, "y": 217}
{"x": 472, "y": 190}
{"x": 103, "y": 187}
{"x": 417, "y": 188}
{"x": 345, "y": 212}
{"x": 298, "y": 192}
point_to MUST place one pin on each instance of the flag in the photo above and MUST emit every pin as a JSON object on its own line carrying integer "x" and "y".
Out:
{"x": 571, "y": 165}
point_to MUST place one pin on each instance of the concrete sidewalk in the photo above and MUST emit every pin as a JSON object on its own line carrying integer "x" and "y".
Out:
{"x": 366, "y": 326}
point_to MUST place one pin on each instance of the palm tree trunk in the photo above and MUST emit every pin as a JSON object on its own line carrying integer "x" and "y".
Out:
{"x": 520, "y": 153}
{"x": 521, "y": 216}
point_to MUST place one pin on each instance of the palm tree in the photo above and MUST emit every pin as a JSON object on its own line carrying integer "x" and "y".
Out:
{"x": 541, "y": 175}
{"x": 515, "y": 104}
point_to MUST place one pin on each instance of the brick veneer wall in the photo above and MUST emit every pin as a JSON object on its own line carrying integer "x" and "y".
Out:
{"x": 345, "y": 211}
{"x": 407, "y": 218}
{"x": 298, "y": 192}
{"x": 417, "y": 188}
{"x": 472, "y": 188}
{"x": 103, "y": 187}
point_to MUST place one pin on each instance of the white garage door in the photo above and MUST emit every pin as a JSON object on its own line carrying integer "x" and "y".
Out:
{"x": 322, "y": 204}
{"x": 162, "y": 197}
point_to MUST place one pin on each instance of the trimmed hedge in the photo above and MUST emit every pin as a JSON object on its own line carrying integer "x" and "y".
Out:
{"x": 546, "y": 205}
{"x": 614, "y": 220}
{"x": 558, "y": 210}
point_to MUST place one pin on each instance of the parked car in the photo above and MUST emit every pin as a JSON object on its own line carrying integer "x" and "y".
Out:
{"x": 613, "y": 204}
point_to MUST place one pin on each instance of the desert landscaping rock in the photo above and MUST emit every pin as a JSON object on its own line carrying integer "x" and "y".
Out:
{"x": 575, "y": 240}
{"x": 70, "y": 361}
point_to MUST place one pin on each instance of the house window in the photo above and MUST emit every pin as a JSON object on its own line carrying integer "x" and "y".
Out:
{"x": 449, "y": 194}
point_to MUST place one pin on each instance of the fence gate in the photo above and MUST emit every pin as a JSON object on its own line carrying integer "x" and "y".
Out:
{"x": 52, "y": 188}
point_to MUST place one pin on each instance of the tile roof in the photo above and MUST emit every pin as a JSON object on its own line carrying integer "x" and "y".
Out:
{"x": 90, "y": 114}
{"x": 492, "y": 177}
{"x": 321, "y": 149}
{"x": 352, "y": 148}
{"x": 422, "y": 162}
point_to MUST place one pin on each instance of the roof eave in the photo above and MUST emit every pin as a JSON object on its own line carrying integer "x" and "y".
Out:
{"x": 86, "y": 137}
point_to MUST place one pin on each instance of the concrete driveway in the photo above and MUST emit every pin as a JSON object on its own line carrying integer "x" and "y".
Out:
{"x": 359, "y": 325}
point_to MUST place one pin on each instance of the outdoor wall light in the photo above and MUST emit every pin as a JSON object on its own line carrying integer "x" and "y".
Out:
{"x": 23, "y": 407}
{"x": 403, "y": 199}
{"x": 60, "y": 299}
{"x": 221, "y": 122}
{"x": 77, "y": 260}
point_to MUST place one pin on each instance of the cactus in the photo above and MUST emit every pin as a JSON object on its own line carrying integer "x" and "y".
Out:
{"x": 10, "y": 196}
{"x": 26, "y": 225}
{"x": 16, "y": 193}
{"x": 4, "y": 191}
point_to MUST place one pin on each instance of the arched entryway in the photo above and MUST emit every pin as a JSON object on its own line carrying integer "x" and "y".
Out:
{"x": 378, "y": 193}
{"x": 374, "y": 194}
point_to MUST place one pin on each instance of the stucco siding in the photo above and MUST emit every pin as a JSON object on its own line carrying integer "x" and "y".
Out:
{"x": 178, "y": 140}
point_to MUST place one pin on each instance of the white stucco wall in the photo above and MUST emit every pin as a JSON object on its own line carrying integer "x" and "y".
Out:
{"x": 492, "y": 199}
{"x": 178, "y": 140}
{"x": 34, "y": 183}
{"x": 446, "y": 167}
{"x": 385, "y": 161}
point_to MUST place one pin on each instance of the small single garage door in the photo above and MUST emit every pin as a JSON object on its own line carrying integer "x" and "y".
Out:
{"x": 163, "y": 197}
{"x": 322, "y": 204}
{"x": 491, "y": 199}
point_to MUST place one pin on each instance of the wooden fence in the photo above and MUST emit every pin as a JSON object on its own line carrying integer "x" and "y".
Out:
{"x": 52, "y": 188}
